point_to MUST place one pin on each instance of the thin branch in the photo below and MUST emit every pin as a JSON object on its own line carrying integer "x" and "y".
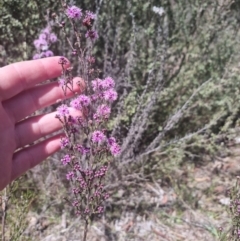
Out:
{"x": 140, "y": 120}
{"x": 175, "y": 118}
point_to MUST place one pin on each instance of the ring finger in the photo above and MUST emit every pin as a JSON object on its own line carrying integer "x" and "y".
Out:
{"x": 34, "y": 128}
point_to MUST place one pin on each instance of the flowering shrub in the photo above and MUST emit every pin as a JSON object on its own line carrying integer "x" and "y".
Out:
{"x": 89, "y": 156}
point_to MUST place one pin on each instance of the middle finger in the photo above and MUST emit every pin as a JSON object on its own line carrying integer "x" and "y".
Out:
{"x": 36, "y": 127}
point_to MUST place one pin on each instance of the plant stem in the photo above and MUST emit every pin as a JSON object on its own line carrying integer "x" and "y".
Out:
{"x": 85, "y": 230}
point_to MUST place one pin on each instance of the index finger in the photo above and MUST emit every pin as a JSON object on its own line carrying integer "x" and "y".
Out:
{"x": 17, "y": 77}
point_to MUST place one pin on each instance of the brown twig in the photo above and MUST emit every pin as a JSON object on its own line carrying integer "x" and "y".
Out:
{"x": 85, "y": 230}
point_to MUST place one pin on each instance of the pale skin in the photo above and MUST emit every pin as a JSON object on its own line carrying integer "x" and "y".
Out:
{"x": 20, "y": 96}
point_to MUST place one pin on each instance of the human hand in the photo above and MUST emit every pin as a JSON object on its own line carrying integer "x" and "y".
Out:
{"x": 20, "y": 96}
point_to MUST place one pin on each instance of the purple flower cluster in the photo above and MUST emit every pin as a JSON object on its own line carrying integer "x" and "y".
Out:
{"x": 80, "y": 102}
{"x": 88, "y": 155}
{"x": 88, "y": 19}
{"x": 83, "y": 150}
{"x": 42, "y": 44}
{"x": 113, "y": 146}
{"x": 74, "y": 12}
{"x": 92, "y": 178}
{"x": 105, "y": 84}
{"x": 70, "y": 176}
{"x": 104, "y": 89}
{"x": 100, "y": 209}
{"x": 110, "y": 95}
{"x": 102, "y": 111}
{"x": 98, "y": 137}
{"x": 89, "y": 16}
{"x": 63, "y": 110}
{"x": 64, "y": 142}
{"x": 66, "y": 159}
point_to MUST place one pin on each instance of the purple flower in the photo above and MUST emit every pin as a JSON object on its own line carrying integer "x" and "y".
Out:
{"x": 96, "y": 117}
{"x": 40, "y": 44}
{"x": 75, "y": 191}
{"x": 102, "y": 171}
{"x": 98, "y": 137}
{"x": 77, "y": 213}
{"x": 97, "y": 194}
{"x": 64, "y": 142}
{"x": 82, "y": 183}
{"x": 76, "y": 167}
{"x": 89, "y": 172}
{"x": 62, "y": 61}
{"x": 97, "y": 84}
{"x": 53, "y": 38}
{"x": 62, "y": 82}
{"x": 90, "y": 15}
{"x": 36, "y": 56}
{"x": 63, "y": 110}
{"x": 84, "y": 100}
{"x": 75, "y": 104}
{"x": 92, "y": 34}
{"x": 43, "y": 36}
{"x": 43, "y": 42}
{"x": 106, "y": 196}
{"x": 94, "y": 97}
{"x": 111, "y": 141}
{"x": 83, "y": 150}
{"x": 104, "y": 111}
{"x": 100, "y": 209}
{"x": 70, "y": 176}
{"x": 75, "y": 203}
{"x": 110, "y": 95}
{"x": 108, "y": 83}
{"x": 48, "y": 53}
{"x": 87, "y": 210}
{"x": 66, "y": 159}
{"x": 74, "y": 12}
{"x": 115, "y": 149}
{"x": 46, "y": 31}
{"x": 88, "y": 19}
{"x": 72, "y": 120}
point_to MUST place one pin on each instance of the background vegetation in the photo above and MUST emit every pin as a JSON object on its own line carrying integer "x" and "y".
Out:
{"x": 178, "y": 81}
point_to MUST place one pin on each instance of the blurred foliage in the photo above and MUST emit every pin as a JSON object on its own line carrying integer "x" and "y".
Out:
{"x": 20, "y": 22}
